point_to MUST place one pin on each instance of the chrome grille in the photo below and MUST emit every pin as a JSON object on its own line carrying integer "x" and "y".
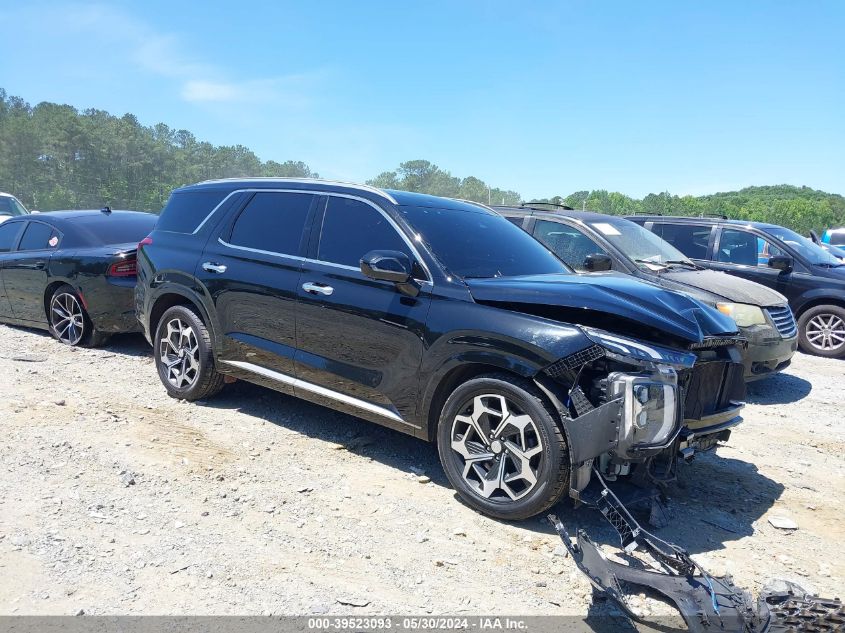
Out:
{"x": 783, "y": 320}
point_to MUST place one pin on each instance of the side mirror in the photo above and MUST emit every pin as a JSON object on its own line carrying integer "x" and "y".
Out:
{"x": 392, "y": 266}
{"x": 597, "y": 262}
{"x": 783, "y": 263}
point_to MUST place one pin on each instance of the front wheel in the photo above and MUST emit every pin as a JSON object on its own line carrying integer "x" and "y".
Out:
{"x": 821, "y": 331}
{"x": 502, "y": 448}
{"x": 184, "y": 356}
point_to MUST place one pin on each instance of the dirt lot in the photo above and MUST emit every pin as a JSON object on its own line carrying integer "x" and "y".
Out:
{"x": 116, "y": 499}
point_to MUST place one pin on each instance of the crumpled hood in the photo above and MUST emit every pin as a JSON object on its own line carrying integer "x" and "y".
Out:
{"x": 611, "y": 293}
{"x": 721, "y": 287}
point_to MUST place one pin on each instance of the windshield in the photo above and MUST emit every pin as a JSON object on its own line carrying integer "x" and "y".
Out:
{"x": 471, "y": 243}
{"x": 646, "y": 249}
{"x": 10, "y": 206}
{"x": 813, "y": 253}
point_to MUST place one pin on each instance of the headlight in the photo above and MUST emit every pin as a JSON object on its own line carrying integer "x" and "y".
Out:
{"x": 650, "y": 408}
{"x": 641, "y": 351}
{"x": 744, "y": 314}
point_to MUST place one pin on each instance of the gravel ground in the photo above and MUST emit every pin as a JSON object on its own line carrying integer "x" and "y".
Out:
{"x": 116, "y": 499}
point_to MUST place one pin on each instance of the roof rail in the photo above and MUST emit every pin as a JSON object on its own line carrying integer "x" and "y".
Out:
{"x": 532, "y": 205}
{"x": 353, "y": 185}
{"x": 646, "y": 213}
{"x": 474, "y": 203}
{"x": 721, "y": 216}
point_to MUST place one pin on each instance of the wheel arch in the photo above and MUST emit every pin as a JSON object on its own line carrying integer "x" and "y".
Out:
{"x": 819, "y": 301}
{"x": 51, "y": 288}
{"x": 172, "y": 297}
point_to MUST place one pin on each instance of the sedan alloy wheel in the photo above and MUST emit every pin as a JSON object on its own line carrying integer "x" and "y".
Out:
{"x": 67, "y": 318}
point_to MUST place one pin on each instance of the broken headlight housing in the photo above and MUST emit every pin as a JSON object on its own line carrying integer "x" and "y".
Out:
{"x": 650, "y": 408}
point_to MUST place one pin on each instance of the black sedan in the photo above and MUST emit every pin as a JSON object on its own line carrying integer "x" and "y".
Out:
{"x": 72, "y": 272}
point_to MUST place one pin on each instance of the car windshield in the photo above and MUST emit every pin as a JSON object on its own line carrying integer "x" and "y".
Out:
{"x": 470, "y": 243}
{"x": 648, "y": 250}
{"x": 11, "y": 206}
{"x": 813, "y": 253}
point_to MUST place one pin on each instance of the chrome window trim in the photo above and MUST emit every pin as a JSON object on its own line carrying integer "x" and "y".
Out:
{"x": 309, "y": 181}
{"x": 297, "y": 383}
{"x": 391, "y": 221}
{"x": 259, "y": 251}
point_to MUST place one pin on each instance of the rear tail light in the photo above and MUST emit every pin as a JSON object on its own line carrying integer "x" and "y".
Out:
{"x": 147, "y": 241}
{"x": 126, "y": 268}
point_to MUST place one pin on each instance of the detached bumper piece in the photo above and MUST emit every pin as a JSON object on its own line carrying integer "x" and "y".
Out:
{"x": 706, "y": 603}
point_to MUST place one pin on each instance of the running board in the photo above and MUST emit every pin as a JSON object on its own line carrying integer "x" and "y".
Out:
{"x": 708, "y": 604}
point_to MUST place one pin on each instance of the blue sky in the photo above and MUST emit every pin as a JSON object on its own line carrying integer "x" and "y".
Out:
{"x": 541, "y": 97}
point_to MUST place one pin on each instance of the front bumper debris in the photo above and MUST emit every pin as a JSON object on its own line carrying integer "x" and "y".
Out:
{"x": 706, "y": 603}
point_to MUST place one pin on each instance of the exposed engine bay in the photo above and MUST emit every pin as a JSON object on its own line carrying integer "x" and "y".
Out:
{"x": 633, "y": 408}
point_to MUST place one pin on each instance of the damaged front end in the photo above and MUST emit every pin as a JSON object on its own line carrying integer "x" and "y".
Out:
{"x": 633, "y": 408}
{"x": 706, "y": 603}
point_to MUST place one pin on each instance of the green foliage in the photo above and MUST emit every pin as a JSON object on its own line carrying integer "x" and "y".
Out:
{"x": 425, "y": 177}
{"x": 56, "y": 157}
{"x": 799, "y": 208}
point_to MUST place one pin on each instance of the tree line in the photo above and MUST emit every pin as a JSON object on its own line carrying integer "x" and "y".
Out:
{"x": 54, "y": 156}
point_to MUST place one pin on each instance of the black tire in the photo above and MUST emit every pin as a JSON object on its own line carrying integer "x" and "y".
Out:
{"x": 550, "y": 468}
{"x": 69, "y": 321}
{"x": 185, "y": 365}
{"x": 812, "y": 337}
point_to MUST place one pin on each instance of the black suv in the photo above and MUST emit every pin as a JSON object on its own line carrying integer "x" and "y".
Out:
{"x": 592, "y": 242}
{"x": 443, "y": 320}
{"x": 811, "y": 279}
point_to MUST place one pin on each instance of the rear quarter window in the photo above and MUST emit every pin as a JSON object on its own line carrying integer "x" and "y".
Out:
{"x": 691, "y": 239}
{"x": 185, "y": 211}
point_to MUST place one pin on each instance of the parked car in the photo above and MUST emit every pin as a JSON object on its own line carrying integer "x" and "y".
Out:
{"x": 836, "y": 251}
{"x": 834, "y": 237}
{"x": 440, "y": 319}
{"x": 593, "y": 242}
{"x": 71, "y": 272}
{"x": 10, "y": 207}
{"x": 812, "y": 280}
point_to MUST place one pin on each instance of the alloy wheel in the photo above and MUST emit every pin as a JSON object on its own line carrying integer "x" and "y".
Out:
{"x": 179, "y": 353}
{"x": 826, "y": 332}
{"x": 67, "y": 318}
{"x": 500, "y": 446}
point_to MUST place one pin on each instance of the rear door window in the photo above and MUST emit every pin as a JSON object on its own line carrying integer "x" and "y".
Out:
{"x": 273, "y": 222}
{"x": 351, "y": 229}
{"x": 8, "y": 235}
{"x": 567, "y": 242}
{"x": 38, "y": 237}
{"x": 692, "y": 240}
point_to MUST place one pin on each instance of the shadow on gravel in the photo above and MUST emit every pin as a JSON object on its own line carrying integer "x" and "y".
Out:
{"x": 128, "y": 345}
{"x": 715, "y": 500}
{"x": 384, "y": 445}
{"x": 778, "y": 389}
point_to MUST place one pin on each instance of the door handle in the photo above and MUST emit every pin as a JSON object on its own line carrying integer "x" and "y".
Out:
{"x": 317, "y": 289}
{"x": 211, "y": 267}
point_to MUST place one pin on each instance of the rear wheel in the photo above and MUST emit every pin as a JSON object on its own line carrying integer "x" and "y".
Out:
{"x": 821, "y": 331}
{"x": 502, "y": 448}
{"x": 184, "y": 356}
{"x": 69, "y": 322}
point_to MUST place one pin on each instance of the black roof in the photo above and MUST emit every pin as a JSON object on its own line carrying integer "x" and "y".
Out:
{"x": 399, "y": 198}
